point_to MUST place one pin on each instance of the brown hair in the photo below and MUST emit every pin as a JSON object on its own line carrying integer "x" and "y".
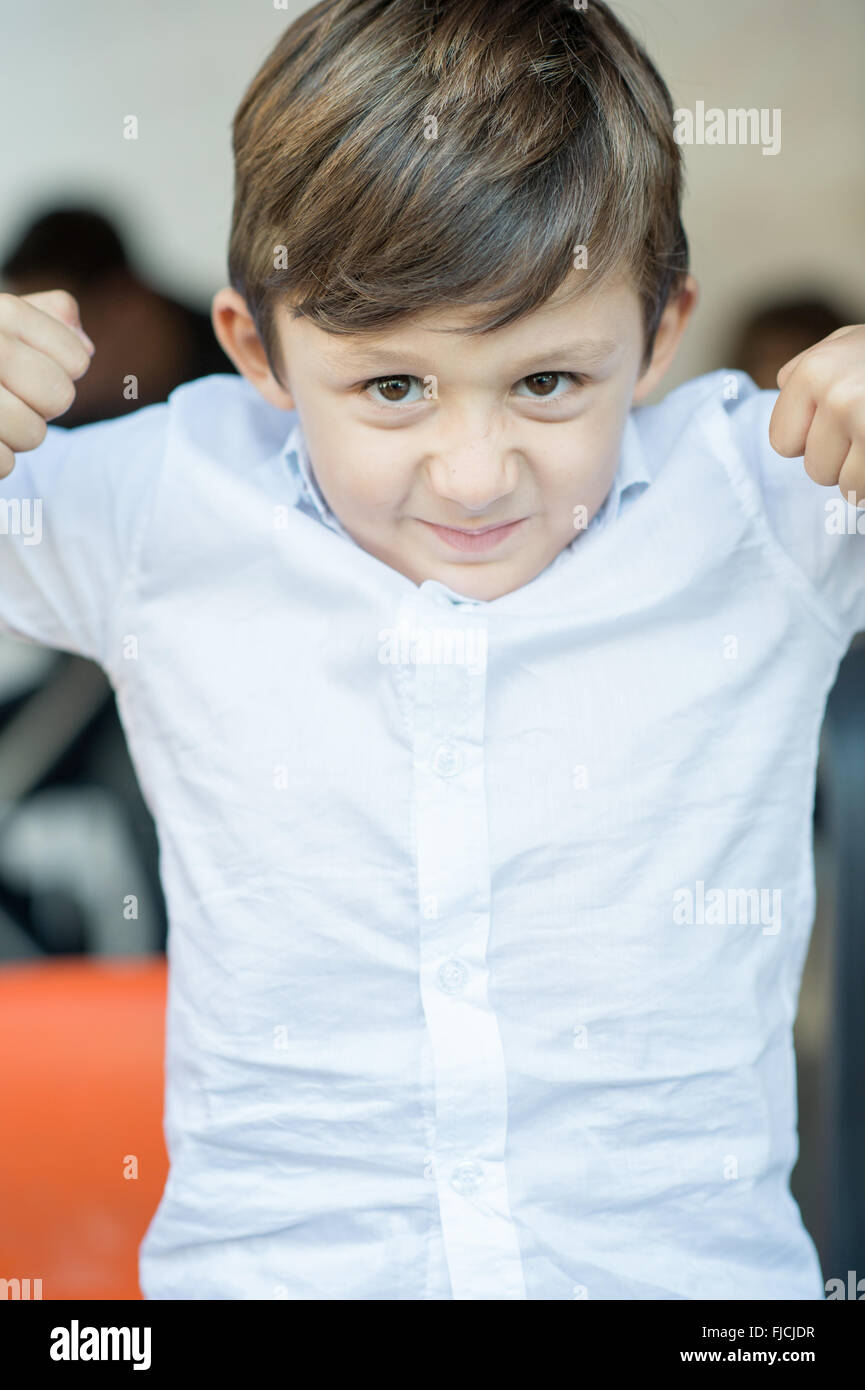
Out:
{"x": 553, "y": 130}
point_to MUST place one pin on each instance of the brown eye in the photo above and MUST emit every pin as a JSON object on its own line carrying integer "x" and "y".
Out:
{"x": 394, "y": 388}
{"x": 547, "y": 382}
{"x": 385, "y": 391}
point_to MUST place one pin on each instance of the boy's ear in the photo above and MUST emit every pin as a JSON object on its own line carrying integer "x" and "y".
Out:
{"x": 674, "y": 321}
{"x": 238, "y": 337}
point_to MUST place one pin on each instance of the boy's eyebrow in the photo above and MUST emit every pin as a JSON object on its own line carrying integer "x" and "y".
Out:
{"x": 589, "y": 351}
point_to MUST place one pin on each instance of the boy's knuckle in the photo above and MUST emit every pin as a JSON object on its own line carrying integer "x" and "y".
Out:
{"x": 65, "y": 301}
{"x": 841, "y": 395}
{"x": 22, "y": 432}
{"x": 60, "y": 397}
{"x": 34, "y": 432}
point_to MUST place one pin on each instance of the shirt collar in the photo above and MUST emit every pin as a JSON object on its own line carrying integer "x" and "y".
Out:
{"x": 310, "y": 496}
{"x": 631, "y": 478}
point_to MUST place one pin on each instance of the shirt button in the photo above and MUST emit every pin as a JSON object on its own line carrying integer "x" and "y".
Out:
{"x": 452, "y": 976}
{"x": 447, "y": 760}
{"x": 467, "y": 1177}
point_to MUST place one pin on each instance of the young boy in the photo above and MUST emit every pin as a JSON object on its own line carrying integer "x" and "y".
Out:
{"x": 477, "y": 709}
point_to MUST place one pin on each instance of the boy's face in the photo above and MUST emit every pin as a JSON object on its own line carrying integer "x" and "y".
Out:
{"x": 469, "y": 458}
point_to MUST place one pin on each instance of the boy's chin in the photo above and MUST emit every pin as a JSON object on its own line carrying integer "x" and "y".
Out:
{"x": 488, "y": 581}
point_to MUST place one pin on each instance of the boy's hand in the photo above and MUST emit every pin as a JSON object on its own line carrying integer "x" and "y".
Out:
{"x": 820, "y": 413}
{"x": 43, "y": 352}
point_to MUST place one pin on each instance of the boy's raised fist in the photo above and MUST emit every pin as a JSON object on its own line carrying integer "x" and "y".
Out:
{"x": 43, "y": 352}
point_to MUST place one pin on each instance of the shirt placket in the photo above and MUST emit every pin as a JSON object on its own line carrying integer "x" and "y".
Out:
{"x": 453, "y": 867}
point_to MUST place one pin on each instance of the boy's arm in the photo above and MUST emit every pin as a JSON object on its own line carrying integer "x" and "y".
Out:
{"x": 816, "y": 502}
{"x": 72, "y": 502}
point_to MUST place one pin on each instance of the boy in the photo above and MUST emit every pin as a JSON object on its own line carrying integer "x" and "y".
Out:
{"x": 477, "y": 711}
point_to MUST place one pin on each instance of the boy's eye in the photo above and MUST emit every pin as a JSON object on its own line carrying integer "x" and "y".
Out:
{"x": 394, "y": 389}
{"x": 543, "y": 384}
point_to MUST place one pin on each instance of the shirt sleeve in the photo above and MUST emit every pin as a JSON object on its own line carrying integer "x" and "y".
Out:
{"x": 822, "y": 533}
{"x": 71, "y": 514}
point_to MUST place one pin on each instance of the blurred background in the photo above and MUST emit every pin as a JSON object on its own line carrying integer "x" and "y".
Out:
{"x": 116, "y": 183}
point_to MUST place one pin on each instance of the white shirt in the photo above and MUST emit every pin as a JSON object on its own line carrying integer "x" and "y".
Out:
{"x": 487, "y": 919}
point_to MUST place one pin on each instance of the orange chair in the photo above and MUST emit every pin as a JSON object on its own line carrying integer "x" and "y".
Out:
{"x": 82, "y": 1158}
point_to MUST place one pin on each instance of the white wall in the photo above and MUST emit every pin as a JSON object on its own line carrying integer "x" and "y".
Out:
{"x": 759, "y": 224}
{"x": 70, "y": 73}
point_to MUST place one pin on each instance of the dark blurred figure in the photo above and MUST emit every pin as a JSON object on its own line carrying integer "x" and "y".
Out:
{"x": 772, "y": 335}
{"x": 137, "y": 330}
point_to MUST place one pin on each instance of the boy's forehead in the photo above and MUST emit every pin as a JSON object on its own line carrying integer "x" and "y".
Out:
{"x": 593, "y": 324}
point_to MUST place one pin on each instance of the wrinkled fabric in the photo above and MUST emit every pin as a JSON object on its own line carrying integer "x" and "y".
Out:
{"x": 486, "y": 919}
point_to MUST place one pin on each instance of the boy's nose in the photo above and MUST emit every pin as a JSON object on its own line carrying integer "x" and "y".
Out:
{"x": 475, "y": 475}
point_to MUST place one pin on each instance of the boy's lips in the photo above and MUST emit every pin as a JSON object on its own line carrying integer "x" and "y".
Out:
{"x": 474, "y": 538}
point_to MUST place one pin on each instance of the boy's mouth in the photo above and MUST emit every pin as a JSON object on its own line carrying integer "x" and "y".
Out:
{"x": 476, "y": 539}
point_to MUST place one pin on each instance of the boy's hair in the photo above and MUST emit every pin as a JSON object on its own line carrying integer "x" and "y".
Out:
{"x": 552, "y": 130}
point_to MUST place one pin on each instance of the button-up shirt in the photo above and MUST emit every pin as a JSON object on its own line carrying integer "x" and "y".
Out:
{"x": 486, "y": 918}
